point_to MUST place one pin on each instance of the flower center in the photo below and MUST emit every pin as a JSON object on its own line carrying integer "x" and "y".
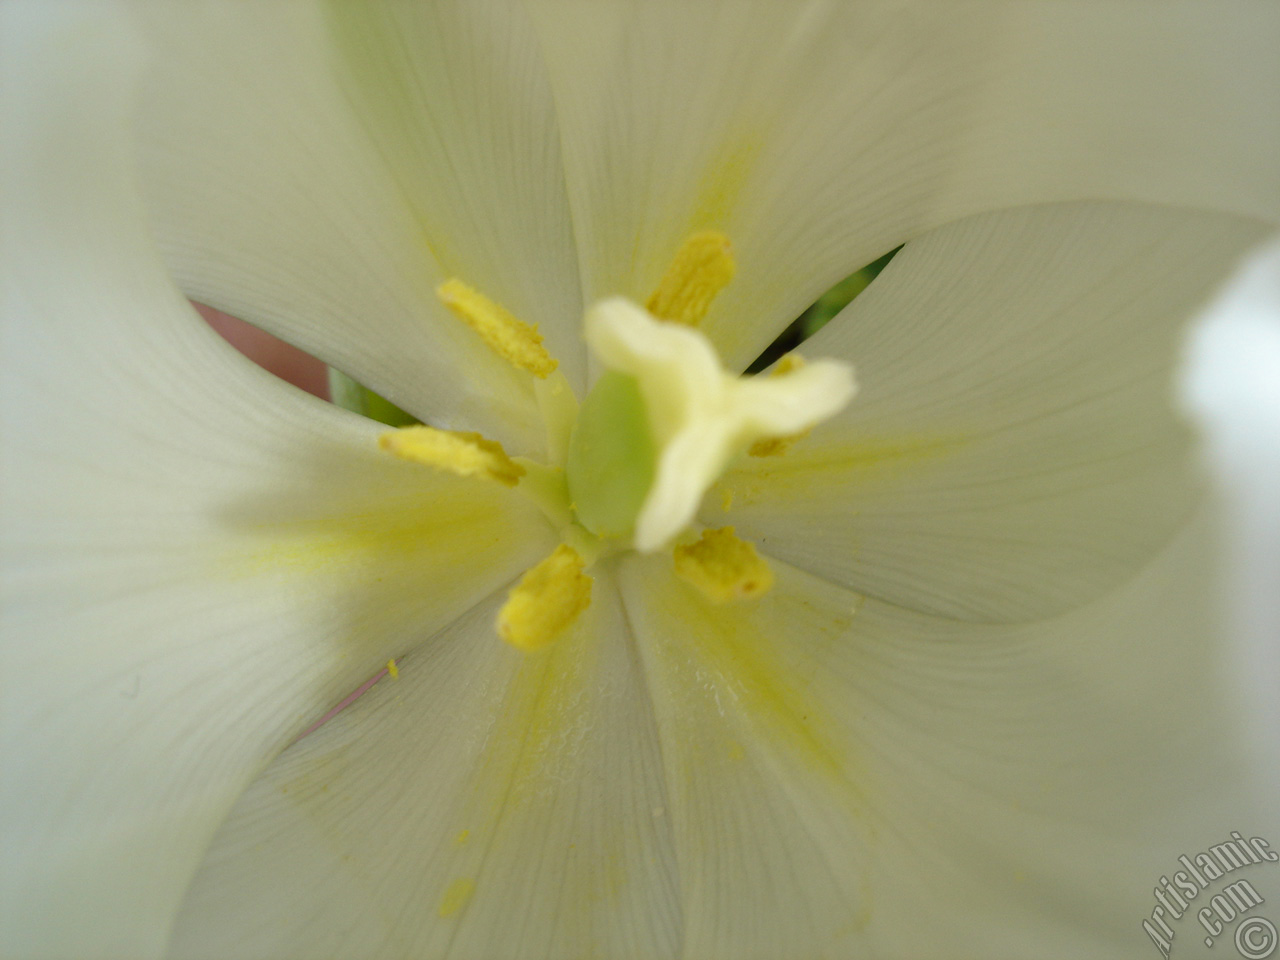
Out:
{"x": 693, "y": 415}
{"x": 657, "y": 429}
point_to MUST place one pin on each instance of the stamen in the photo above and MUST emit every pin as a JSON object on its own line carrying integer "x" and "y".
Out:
{"x": 465, "y": 454}
{"x": 700, "y": 270}
{"x": 546, "y": 601}
{"x": 516, "y": 342}
{"x": 724, "y": 567}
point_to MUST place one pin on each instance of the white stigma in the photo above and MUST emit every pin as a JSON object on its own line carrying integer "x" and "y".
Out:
{"x": 700, "y": 416}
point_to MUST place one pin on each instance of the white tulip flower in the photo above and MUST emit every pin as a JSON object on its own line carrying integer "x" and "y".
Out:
{"x": 915, "y": 648}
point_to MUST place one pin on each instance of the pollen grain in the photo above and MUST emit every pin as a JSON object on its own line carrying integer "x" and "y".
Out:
{"x": 456, "y": 896}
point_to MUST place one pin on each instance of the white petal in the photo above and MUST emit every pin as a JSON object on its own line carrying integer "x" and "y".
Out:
{"x": 820, "y": 136}
{"x": 849, "y": 778}
{"x": 318, "y": 169}
{"x": 1231, "y": 384}
{"x": 199, "y": 560}
{"x": 490, "y": 803}
{"x": 1013, "y": 449}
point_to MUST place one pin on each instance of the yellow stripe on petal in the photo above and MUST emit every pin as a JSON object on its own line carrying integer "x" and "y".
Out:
{"x": 724, "y": 567}
{"x": 546, "y": 601}
{"x": 515, "y": 341}
{"x": 700, "y": 270}
{"x": 463, "y": 453}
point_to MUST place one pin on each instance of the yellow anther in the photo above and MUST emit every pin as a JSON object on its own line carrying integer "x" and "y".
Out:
{"x": 466, "y": 454}
{"x": 546, "y": 601}
{"x": 516, "y": 342}
{"x": 777, "y": 446}
{"x": 724, "y": 567}
{"x": 700, "y": 270}
{"x": 393, "y": 670}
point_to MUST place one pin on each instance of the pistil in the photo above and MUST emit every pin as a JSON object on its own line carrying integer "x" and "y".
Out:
{"x": 701, "y": 416}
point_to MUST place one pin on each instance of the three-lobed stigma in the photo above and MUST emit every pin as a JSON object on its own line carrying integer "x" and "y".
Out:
{"x": 700, "y": 416}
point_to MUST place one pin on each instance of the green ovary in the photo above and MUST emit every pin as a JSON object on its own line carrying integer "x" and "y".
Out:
{"x": 612, "y": 457}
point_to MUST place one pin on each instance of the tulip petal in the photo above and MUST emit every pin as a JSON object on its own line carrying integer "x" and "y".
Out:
{"x": 818, "y": 137}
{"x": 1230, "y": 384}
{"x": 319, "y": 169}
{"x": 850, "y": 778}
{"x": 199, "y": 560}
{"x": 490, "y": 803}
{"x": 1014, "y": 449}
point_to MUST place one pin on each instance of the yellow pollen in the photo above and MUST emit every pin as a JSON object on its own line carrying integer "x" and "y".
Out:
{"x": 466, "y": 454}
{"x": 456, "y": 897}
{"x": 516, "y": 342}
{"x": 724, "y": 567}
{"x": 393, "y": 670}
{"x": 700, "y": 270}
{"x": 546, "y": 601}
{"x": 777, "y": 446}
{"x": 726, "y": 499}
